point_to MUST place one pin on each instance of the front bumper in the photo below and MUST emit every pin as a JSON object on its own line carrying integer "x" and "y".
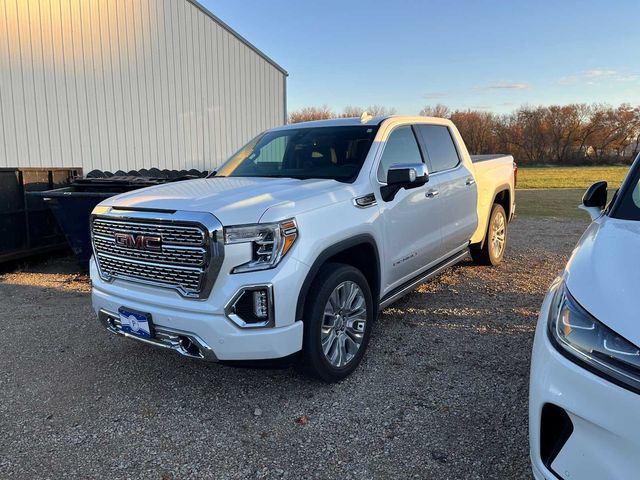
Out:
{"x": 201, "y": 329}
{"x": 185, "y": 343}
{"x": 605, "y": 437}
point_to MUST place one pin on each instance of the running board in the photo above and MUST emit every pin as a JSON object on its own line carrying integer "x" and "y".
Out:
{"x": 411, "y": 284}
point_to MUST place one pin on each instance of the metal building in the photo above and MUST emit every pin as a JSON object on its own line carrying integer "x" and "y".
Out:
{"x": 129, "y": 84}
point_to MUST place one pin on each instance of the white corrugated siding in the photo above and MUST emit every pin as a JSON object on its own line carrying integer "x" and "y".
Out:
{"x": 128, "y": 84}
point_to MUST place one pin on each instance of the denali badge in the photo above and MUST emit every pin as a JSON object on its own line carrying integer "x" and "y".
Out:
{"x": 139, "y": 242}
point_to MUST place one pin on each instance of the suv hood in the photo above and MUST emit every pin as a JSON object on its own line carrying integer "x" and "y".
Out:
{"x": 233, "y": 201}
{"x": 603, "y": 274}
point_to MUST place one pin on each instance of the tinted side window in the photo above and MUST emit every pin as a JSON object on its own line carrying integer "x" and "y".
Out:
{"x": 440, "y": 147}
{"x": 401, "y": 147}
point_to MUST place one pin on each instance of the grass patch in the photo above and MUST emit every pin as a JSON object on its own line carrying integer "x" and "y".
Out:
{"x": 560, "y": 203}
{"x": 570, "y": 177}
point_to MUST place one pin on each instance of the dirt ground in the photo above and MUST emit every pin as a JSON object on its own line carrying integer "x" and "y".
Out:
{"x": 441, "y": 393}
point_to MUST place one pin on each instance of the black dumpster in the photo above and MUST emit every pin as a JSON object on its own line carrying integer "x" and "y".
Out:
{"x": 27, "y": 226}
{"x": 72, "y": 205}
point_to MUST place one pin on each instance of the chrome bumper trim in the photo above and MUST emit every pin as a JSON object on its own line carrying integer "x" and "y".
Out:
{"x": 185, "y": 343}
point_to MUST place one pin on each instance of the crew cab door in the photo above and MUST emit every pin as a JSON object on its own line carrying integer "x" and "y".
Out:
{"x": 457, "y": 187}
{"x": 411, "y": 220}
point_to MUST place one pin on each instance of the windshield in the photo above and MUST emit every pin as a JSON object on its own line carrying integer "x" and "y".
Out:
{"x": 313, "y": 152}
{"x": 628, "y": 206}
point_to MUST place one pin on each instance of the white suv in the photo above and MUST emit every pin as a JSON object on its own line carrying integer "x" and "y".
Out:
{"x": 585, "y": 369}
{"x": 298, "y": 240}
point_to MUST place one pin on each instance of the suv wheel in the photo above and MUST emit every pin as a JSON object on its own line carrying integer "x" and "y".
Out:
{"x": 495, "y": 242}
{"x": 337, "y": 322}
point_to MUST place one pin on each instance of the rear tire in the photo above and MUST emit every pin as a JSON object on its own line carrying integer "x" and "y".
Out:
{"x": 491, "y": 252}
{"x": 337, "y": 322}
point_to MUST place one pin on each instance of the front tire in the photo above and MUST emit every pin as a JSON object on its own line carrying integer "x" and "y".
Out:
{"x": 495, "y": 242}
{"x": 337, "y": 322}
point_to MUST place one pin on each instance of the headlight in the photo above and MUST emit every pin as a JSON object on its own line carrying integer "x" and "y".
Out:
{"x": 580, "y": 335}
{"x": 270, "y": 242}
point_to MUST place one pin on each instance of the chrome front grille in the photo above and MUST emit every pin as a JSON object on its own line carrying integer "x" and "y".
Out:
{"x": 116, "y": 267}
{"x": 194, "y": 256}
{"x": 188, "y": 259}
{"x": 176, "y": 235}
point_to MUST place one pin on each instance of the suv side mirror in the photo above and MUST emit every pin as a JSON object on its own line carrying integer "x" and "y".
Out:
{"x": 595, "y": 199}
{"x": 404, "y": 175}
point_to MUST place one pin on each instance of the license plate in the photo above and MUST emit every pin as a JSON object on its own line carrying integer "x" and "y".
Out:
{"x": 135, "y": 323}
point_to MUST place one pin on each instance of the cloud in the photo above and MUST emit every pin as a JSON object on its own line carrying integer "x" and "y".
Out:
{"x": 627, "y": 78}
{"x": 435, "y": 95}
{"x": 591, "y": 77}
{"x": 508, "y": 86}
{"x": 596, "y": 72}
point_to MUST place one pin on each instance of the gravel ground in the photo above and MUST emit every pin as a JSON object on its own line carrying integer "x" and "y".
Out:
{"x": 441, "y": 393}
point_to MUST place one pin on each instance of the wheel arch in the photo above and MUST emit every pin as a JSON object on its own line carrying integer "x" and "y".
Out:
{"x": 501, "y": 196}
{"x": 360, "y": 251}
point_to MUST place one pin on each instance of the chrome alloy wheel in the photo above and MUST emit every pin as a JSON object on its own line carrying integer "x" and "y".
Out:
{"x": 343, "y": 325}
{"x": 498, "y": 234}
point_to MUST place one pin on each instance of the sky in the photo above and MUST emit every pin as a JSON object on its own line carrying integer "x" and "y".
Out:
{"x": 492, "y": 55}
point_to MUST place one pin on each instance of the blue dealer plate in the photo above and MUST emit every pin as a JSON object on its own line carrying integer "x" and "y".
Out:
{"x": 135, "y": 323}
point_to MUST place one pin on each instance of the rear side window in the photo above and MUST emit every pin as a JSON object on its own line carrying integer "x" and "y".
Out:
{"x": 401, "y": 147}
{"x": 440, "y": 147}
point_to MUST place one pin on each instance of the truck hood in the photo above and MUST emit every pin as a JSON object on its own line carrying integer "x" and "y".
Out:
{"x": 603, "y": 274}
{"x": 233, "y": 201}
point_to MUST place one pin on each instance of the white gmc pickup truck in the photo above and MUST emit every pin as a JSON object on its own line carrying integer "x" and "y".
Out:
{"x": 293, "y": 246}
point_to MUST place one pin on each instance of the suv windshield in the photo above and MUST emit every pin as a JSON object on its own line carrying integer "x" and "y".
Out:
{"x": 628, "y": 205}
{"x": 313, "y": 152}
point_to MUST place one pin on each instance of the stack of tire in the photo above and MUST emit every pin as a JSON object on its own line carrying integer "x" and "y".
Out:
{"x": 72, "y": 205}
{"x": 152, "y": 173}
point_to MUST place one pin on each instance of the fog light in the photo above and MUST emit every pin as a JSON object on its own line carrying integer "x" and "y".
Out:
{"x": 260, "y": 303}
{"x": 252, "y": 306}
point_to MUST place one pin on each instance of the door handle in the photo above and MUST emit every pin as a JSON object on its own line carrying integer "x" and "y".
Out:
{"x": 470, "y": 181}
{"x": 432, "y": 193}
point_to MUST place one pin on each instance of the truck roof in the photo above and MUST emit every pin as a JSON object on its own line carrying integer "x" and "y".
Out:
{"x": 356, "y": 121}
{"x": 335, "y": 122}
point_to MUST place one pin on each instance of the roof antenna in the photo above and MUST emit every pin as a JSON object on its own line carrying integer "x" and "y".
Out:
{"x": 365, "y": 117}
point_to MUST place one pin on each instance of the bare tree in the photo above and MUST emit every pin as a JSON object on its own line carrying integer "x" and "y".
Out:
{"x": 380, "y": 110}
{"x": 352, "y": 111}
{"x": 522, "y": 132}
{"x": 373, "y": 110}
{"x": 478, "y": 130}
{"x": 438, "y": 110}
{"x": 562, "y": 128}
{"x": 311, "y": 113}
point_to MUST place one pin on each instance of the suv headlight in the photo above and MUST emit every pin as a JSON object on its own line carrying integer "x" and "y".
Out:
{"x": 270, "y": 242}
{"x": 579, "y": 335}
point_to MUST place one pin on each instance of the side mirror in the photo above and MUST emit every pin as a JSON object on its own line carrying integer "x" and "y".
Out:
{"x": 595, "y": 199}
{"x": 404, "y": 175}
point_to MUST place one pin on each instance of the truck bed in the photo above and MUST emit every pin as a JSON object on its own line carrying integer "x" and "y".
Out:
{"x": 493, "y": 173}
{"x": 484, "y": 158}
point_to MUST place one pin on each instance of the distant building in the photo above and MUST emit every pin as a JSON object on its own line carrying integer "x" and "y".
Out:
{"x": 127, "y": 85}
